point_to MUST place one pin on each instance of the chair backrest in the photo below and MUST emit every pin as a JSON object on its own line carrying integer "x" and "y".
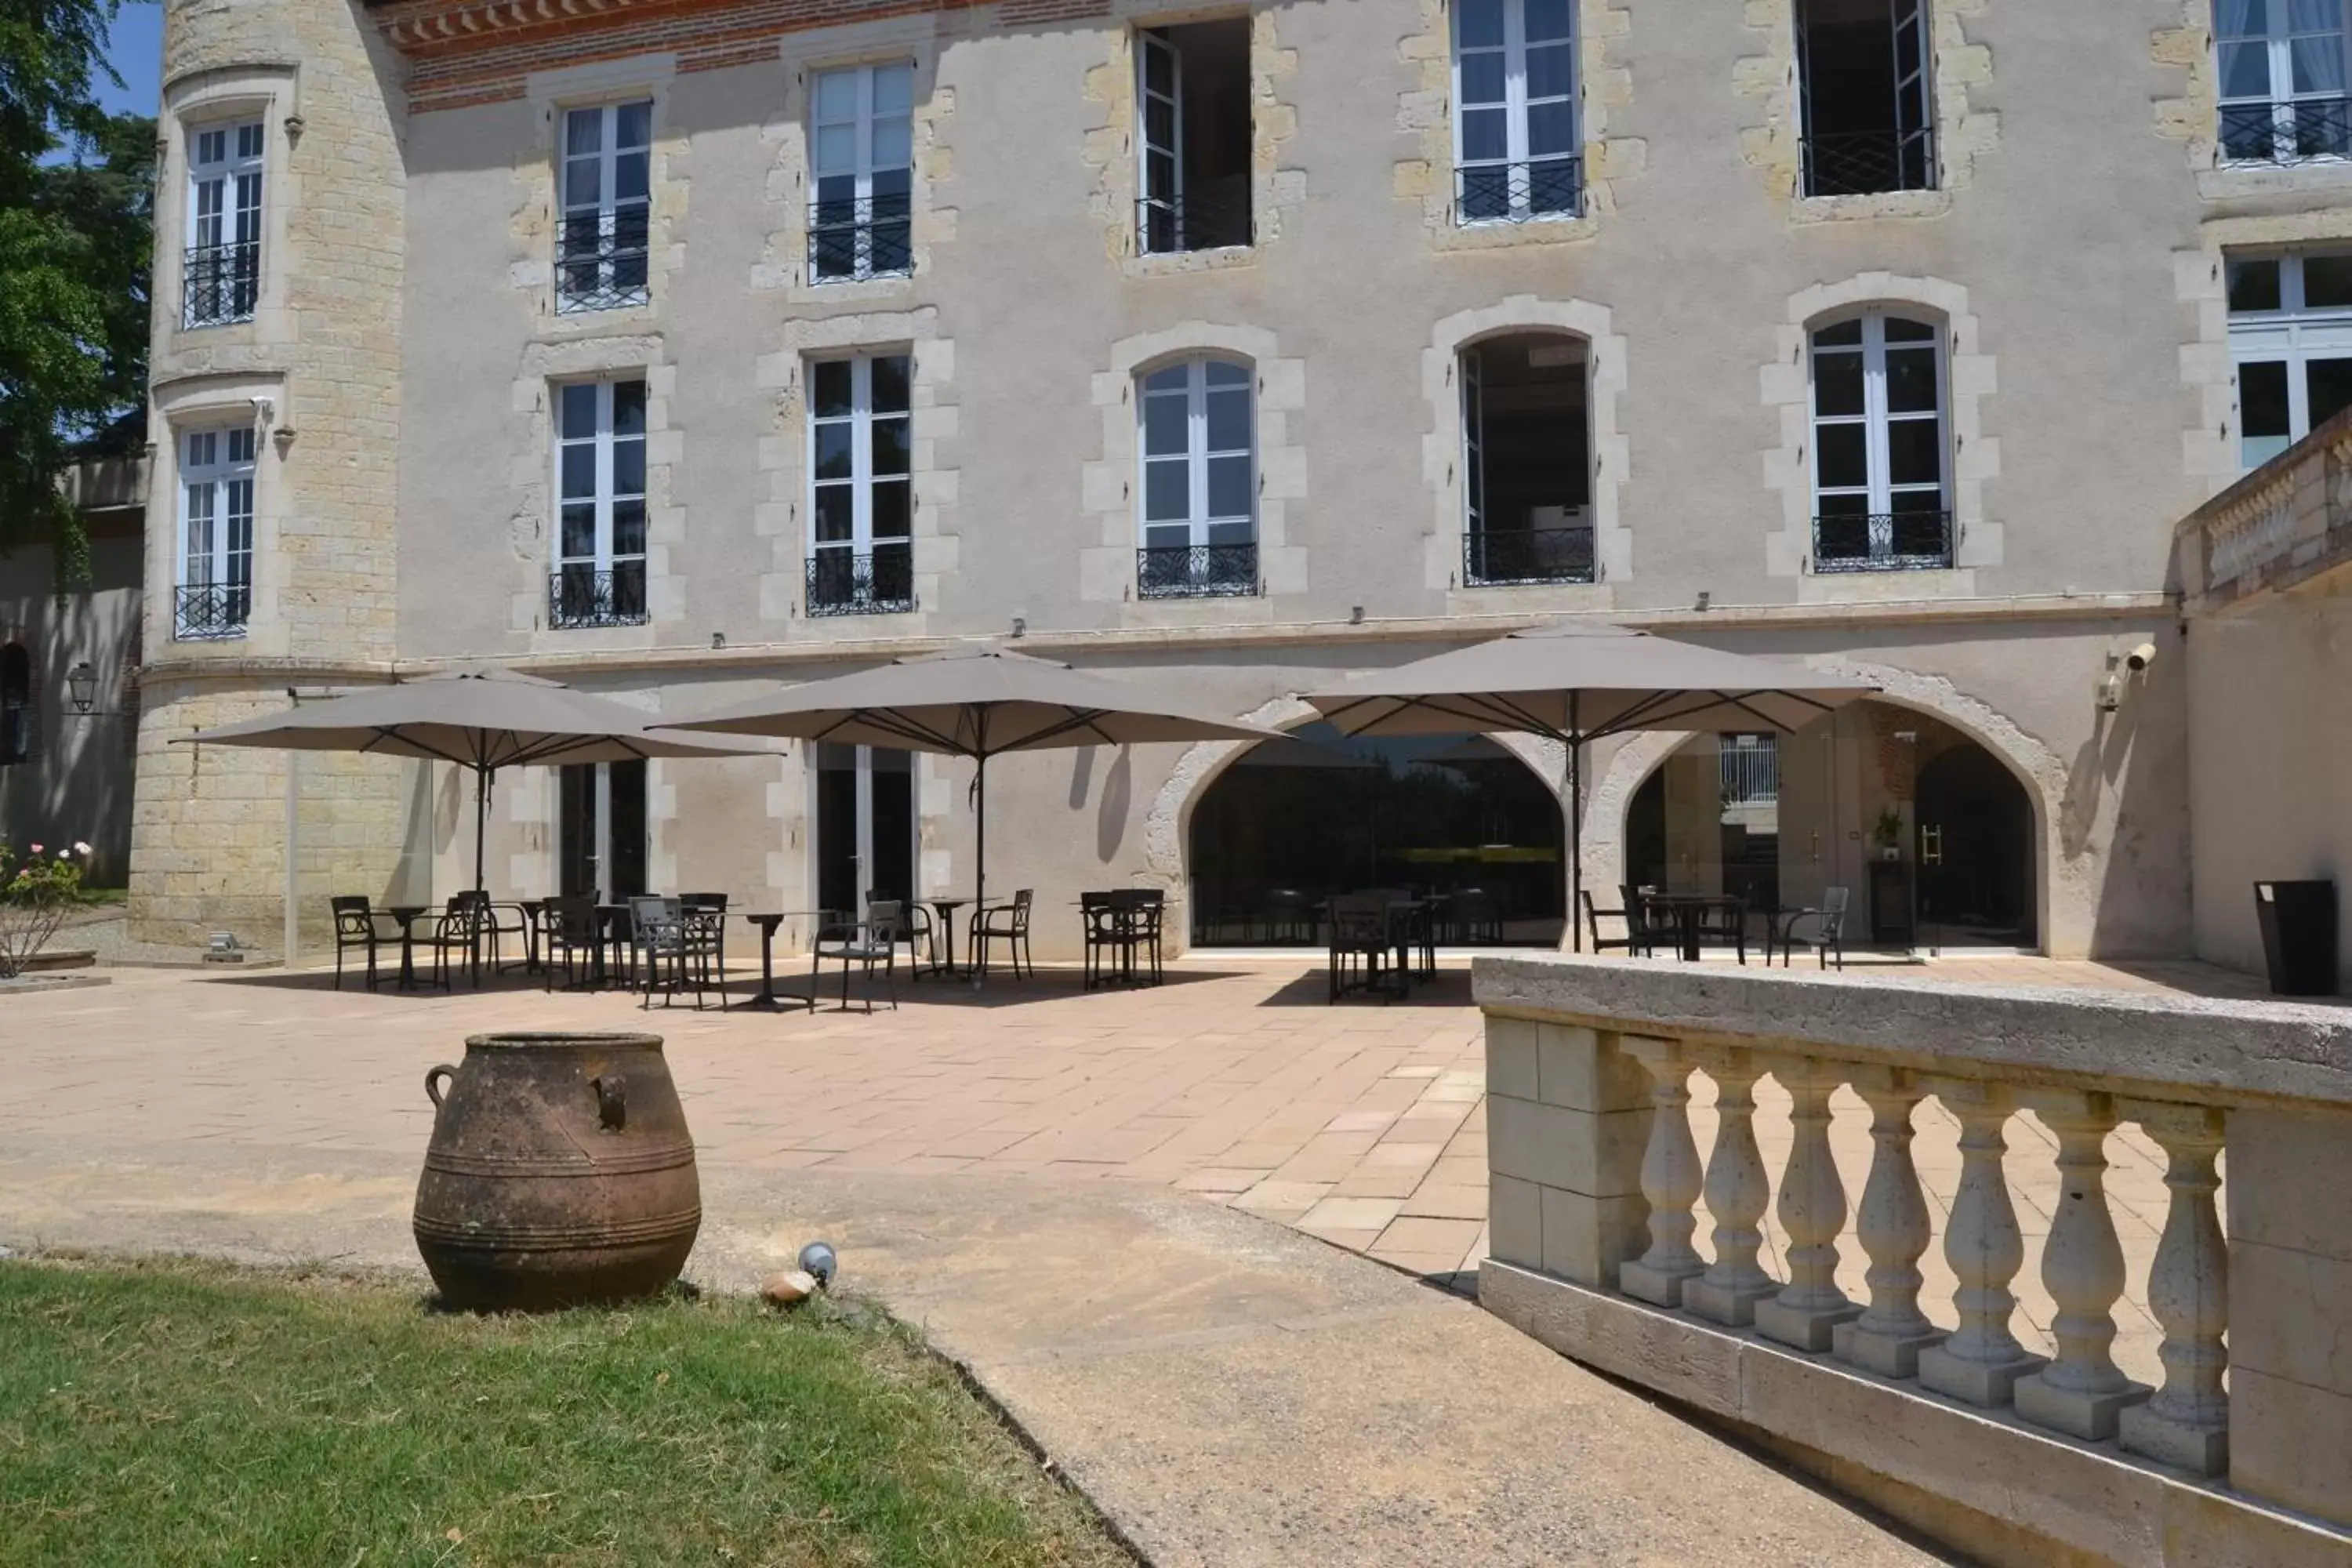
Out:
{"x": 703, "y": 901}
{"x": 353, "y": 916}
{"x": 571, "y": 917}
{"x": 1359, "y": 918}
{"x": 1833, "y": 907}
{"x": 1021, "y": 898}
{"x": 888, "y": 918}
{"x": 655, "y": 920}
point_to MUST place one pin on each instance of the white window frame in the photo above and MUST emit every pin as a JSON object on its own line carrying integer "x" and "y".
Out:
{"x": 1876, "y": 417}
{"x": 2295, "y": 334}
{"x": 864, "y": 123}
{"x": 226, "y": 169}
{"x": 608, "y": 293}
{"x": 2285, "y": 102}
{"x": 1198, "y": 522}
{"x": 218, "y": 468}
{"x": 605, "y": 559}
{"x": 1516, "y": 104}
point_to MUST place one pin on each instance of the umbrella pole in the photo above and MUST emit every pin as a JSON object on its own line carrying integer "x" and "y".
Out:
{"x": 980, "y": 834}
{"x": 481, "y": 814}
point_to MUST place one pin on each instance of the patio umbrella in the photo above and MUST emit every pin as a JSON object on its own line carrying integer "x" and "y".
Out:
{"x": 977, "y": 702}
{"x": 482, "y": 721}
{"x": 1577, "y": 684}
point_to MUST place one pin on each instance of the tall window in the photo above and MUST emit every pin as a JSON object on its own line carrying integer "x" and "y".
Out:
{"x": 1527, "y": 485}
{"x": 863, "y": 161}
{"x": 608, "y": 206}
{"x": 1193, "y": 137}
{"x": 2283, "y": 67}
{"x": 221, "y": 275}
{"x": 861, "y": 486}
{"x": 600, "y": 462}
{"x": 1198, "y": 425}
{"x": 1862, "y": 68}
{"x": 1515, "y": 147}
{"x": 214, "y": 593}
{"x": 18, "y": 716}
{"x": 1880, "y": 496}
{"x": 2291, "y": 335}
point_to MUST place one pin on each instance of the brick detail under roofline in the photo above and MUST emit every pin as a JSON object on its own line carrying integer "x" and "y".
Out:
{"x": 468, "y": 52}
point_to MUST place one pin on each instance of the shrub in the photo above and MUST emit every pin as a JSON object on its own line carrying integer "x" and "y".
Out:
{"x": 37, "y": 889}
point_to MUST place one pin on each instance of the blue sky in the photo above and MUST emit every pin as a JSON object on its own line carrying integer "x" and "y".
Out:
{"x": 135, "y": 49}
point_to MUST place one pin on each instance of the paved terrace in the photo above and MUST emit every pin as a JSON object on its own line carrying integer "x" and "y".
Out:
{"x": 1070, "y": 1191}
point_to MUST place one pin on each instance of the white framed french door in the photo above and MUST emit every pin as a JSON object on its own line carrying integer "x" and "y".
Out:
{"x": 865, "y": 845}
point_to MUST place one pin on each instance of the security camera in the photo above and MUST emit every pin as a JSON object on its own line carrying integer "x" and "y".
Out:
{"x": 2140, "y": 658}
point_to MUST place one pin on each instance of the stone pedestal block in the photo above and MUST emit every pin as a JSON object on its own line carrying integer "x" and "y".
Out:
{"x": 1807, "y": 1328}
{"x": 1989, "y": 1383}
{"x": 1888, "y": 1355}
{"x": 2090, "y": 1416}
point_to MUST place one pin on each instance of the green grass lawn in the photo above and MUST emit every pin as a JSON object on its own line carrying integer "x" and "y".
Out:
{"x": 181, "y": 1412}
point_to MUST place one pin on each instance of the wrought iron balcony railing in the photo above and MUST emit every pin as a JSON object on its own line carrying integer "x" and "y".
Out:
{"x": 1882, "y": 542}
{"x": 2291, "y": 133}
{"x": 1863, "y": 163}
{"x": 843, "y": 582}
{"x": 1197, "y": 572}
{"x": 209, "y": 612}
{"x": 600, "y": 259}
{"x": 579, "y": 597}
{"x": 219, "y": 283}
{"x": 1210, "y": 217}
{"x": 1516, "y": 193}
{"x": 862, "y": 236}
{"x": 1505, "y": 557}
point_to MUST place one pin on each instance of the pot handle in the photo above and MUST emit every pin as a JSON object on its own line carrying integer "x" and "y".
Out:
{"x": 612, "y": 1104}
{"x": 432, "y": 1091}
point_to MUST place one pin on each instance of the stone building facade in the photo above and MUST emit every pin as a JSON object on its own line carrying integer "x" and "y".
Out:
{"x": 563, "y": 315}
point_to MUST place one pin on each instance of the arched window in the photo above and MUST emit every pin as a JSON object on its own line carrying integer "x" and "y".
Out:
{"x": 1197, "y": 441}
{"x": 17, "y": 714}
{"x": 1882, "y": 473}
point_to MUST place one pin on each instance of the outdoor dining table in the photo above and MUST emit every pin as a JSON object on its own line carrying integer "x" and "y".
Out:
{"x": 406, "y": 914}
{"x": 770, "y": 999}
{"x": 943, "y": 958}
{"x": 1689, "y": 911}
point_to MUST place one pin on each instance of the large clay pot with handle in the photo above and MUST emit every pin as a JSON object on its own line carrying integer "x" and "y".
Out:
{"x": 561, "y": 1173}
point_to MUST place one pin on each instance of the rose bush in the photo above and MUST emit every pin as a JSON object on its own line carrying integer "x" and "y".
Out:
{"x": 37, "y": 889}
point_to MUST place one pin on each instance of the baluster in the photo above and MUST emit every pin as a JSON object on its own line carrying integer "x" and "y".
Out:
{"x": 2187, "y": 1422}
{"x": 1670, "y": 1177}
{"x": 1738, "y": 1191}
{"x": 1813, "y": 1210}
{"x": 2082, "y": 1391}
{"x": 1894, "y": 1230}
{"x": 1980, "y": 1360}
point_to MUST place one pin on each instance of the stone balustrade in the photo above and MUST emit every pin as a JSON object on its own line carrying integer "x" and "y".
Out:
{"x": 2235, "y": 1447}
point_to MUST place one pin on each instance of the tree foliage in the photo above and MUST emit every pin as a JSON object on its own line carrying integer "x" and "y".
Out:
{"x": 76, "y": 242}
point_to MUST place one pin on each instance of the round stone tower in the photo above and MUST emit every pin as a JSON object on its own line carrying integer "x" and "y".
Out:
{"x": 274, "y": 418}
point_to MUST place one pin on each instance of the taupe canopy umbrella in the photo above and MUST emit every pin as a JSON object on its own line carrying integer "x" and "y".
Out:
{"x": 977, "y": 702}
{"x": 482, "y": 721}
{"x": 1580, "y": 683}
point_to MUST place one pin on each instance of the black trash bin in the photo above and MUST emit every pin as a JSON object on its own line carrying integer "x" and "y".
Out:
{"x": 2298, "y": 922}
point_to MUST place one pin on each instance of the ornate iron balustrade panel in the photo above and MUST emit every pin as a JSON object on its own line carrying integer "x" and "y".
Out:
{"x": 1207, "y": 219}
{"x": 601, "y": 259}
{"x": 1505, "y": 557}
{"x": 580, "y": 597}
{"x": 843, "y": 582}
{"x": 1197, "y": 572}
{"x": 862, "y": 236}
{"x": 210, "y": 611}
{"x": 219, "y": 283}
{"x": 2292, "y": 133}
{"x": 1516, "y": 193}
{"x": 1865, "y": 162}
{"x": 1882, "y": 542}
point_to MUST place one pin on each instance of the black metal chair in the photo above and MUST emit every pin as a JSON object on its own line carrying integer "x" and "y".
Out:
{"x": 572, "y": 938}
{"x": 849, "y": 941}
{"x": 1828, "y": 931}
{"x": 706, "y": 938}
{"x": 1476, "y": 917}
{"x": 1103, "y": 932}
{"x": 916, "y": 927}
{"x": 1360, "y": 944}
{"x": 1007, "y": 924}
{"x": 1726, "y": 922}
{"x": 455, "y": 930}
{"x": 1142, "y": 911}
{"x": 1633, "y": 941}
{"x": 355, "y": 926}
{"x": 660, "y": 940}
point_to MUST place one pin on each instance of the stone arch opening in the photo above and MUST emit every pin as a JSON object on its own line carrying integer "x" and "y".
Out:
{"x": 1466, "y": 820}
{"x": 1939, "y": 833}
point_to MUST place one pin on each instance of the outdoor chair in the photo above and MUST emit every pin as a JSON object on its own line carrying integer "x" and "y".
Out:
{"x": 1631, "y": 942}
{"x": 660, "y": 940}
{"x": 1140, "y": 911}
{"x": 1828, "y": 930}
{"x": 499, "y": 921}
{"x": 1103, "y": 932}
{"x": 1289, "y": 916}
{"x": 355, "y": 926}
{"x": 1476, "y": 918}
{"x": 1727, "y": 923}
{"x": 454, "y": 930}
{"x": 706, "y": 937}
{"x": 847, "y": 940}
{"x": 569, "y": 930}
{"x": 1359, "y": 926}
{"x": 1007, "y": 924}
{"x": 916, "y": 927}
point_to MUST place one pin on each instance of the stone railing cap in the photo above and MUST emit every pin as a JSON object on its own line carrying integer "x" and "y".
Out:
{"x": 2200, "y": 1048}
